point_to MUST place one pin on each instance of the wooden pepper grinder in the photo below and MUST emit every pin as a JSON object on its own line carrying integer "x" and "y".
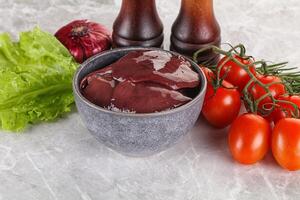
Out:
{"x": 138, "y": 24}
{"x": 195, "y": 28}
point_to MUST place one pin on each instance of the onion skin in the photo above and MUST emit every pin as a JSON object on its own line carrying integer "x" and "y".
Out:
{"x": 84, "y": 39}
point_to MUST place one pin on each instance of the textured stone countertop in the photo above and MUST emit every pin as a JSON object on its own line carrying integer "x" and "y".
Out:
{"x": 62, "y": 161}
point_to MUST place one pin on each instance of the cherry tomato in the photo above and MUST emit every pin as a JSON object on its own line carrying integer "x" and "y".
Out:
{"x": 236, "y": 75}
{"x": 222, "y": 106}
{"x": 276, "y": 89}
{"x": 285, "y": 110}
{"x": 249, "y": 138}
{"x": 286, "y": 143}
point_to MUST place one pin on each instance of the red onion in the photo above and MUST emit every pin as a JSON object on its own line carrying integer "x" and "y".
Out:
{"x": 84, "y": 39}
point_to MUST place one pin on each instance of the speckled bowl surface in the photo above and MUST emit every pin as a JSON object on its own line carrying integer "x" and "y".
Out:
{"x": 129, "y": 133}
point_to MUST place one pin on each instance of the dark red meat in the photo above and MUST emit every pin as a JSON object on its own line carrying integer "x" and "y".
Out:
{"x": 98, "y": 87}
{"x": 142, "y": 82}
{"x": 146, "y": 97}
{"x": 163, "y": 68}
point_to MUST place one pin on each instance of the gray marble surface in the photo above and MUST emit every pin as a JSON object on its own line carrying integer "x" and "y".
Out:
{"x": 62, "y": 161}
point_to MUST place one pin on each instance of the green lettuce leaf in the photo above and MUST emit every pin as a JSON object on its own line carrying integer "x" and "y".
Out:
{"x": 35, "y": 79}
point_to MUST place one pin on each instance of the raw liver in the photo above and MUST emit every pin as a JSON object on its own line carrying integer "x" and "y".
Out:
{"x": 142, "y": 82}
{"x": 98, "y": 87}
{"x": 146, "y": 97}
{"x": 160, "y": 67}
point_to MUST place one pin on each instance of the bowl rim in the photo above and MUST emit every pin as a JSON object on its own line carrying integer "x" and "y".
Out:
{"x": 76, "y": 89}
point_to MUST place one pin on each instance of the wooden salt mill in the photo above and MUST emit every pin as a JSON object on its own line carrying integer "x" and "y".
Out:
{"x": 196, "y": 28}
{"x": 138, "y": 24}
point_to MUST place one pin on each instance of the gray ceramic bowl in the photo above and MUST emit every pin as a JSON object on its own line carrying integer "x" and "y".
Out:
{"x": 129, "y": 133}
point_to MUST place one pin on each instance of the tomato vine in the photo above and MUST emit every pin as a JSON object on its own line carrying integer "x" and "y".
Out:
{"x": 290, "y": 79}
